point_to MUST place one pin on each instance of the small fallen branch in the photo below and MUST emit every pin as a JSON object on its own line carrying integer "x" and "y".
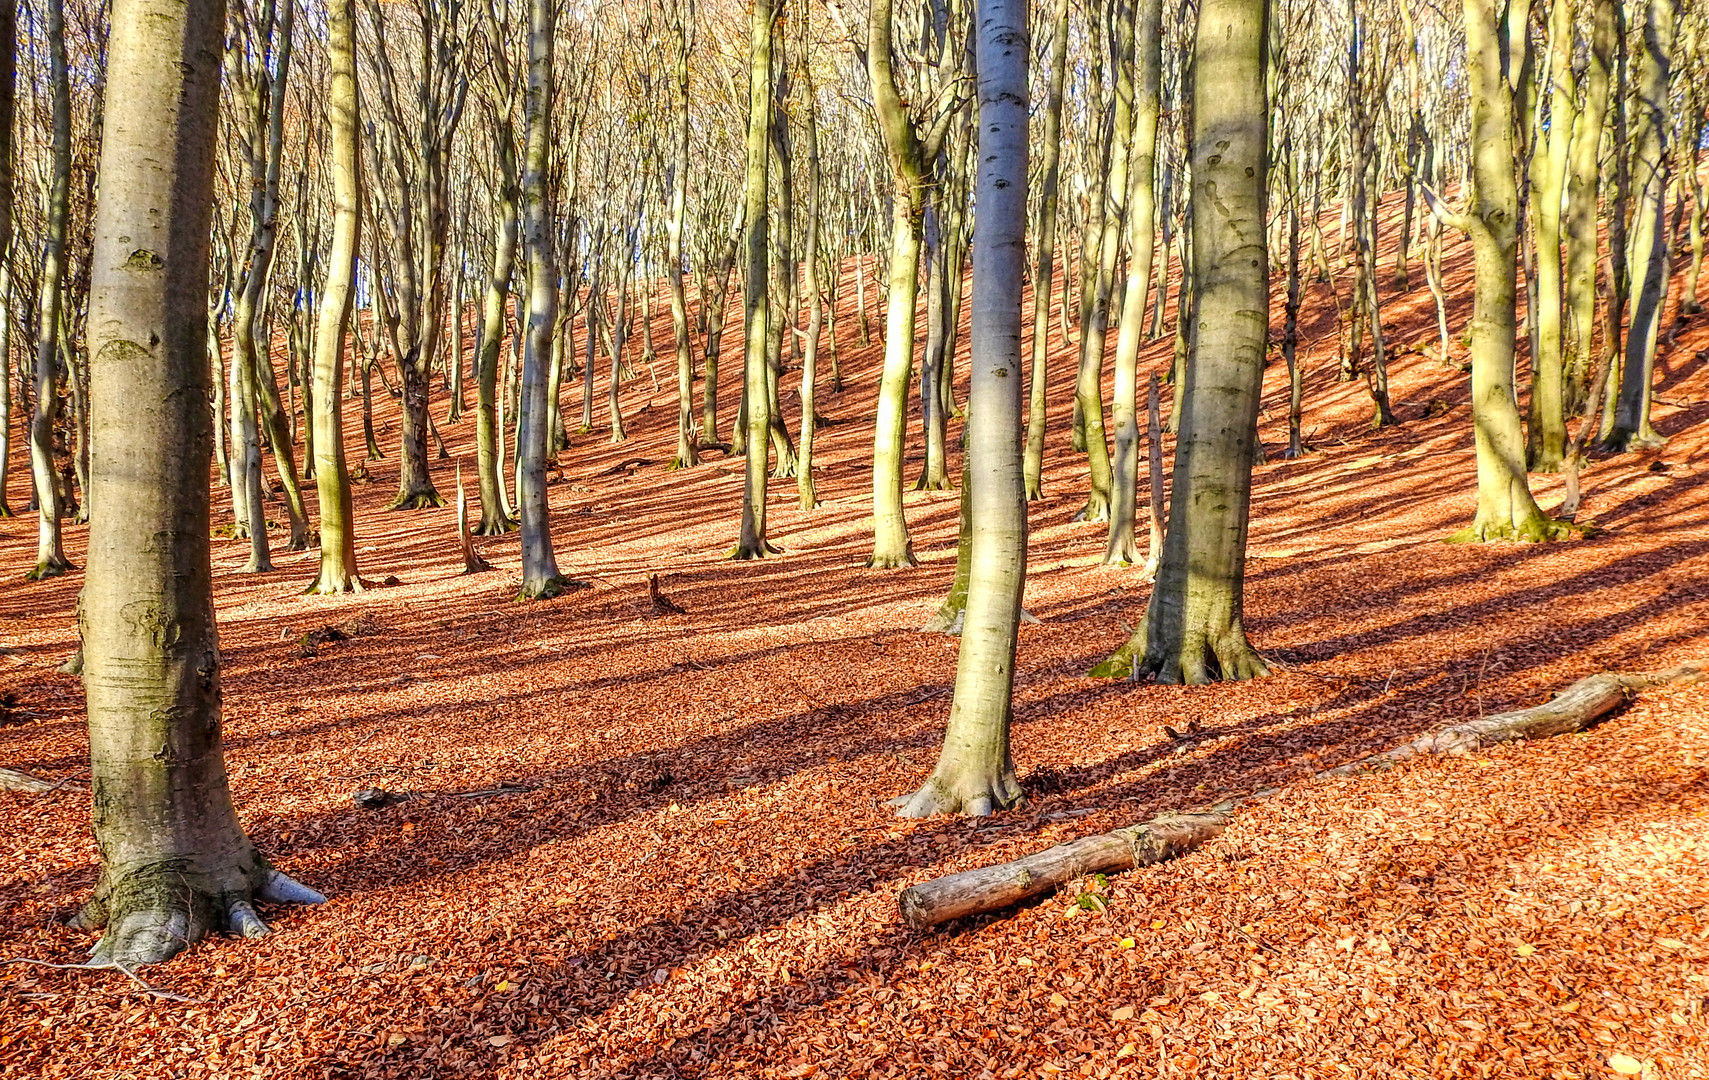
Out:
{"x": 108, "y": 965}
{"x": 380, "y": 798}
{"x": 1169, "y": 836}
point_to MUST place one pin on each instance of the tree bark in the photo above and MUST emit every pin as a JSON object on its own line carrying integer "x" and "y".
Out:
{"x": 1122, "y": 548}
{"x": 1045, "y": 240}
{"x": 1505, "y": 510}
{"x": 752, "y": 543}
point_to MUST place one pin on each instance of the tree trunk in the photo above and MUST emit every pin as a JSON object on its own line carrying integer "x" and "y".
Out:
{"x": 489, "y": 431}
{"x": 175, "y": 861}
{"x": 8, "y": 191}
{"x": 891, "y": 545}
{"x": 1545, "y": 437}
{"x": 1649, "y": 254}
{"x": 1506, "y": 510}
{"x": 540, "y": 577}
{"x": 975, "y": 773}
{"x": 1192, "y": 631}
{"x": 1045, "y": 239}
{"x": 755, "y": 311}
{"x": 676, "y": 220}
{"x": 809, "y": 498}
{"x": 1089, "y": 386}
{"x": 1122, "y": 548}
{"x": 338, "y": 572}
{"x": 50, "y": 553}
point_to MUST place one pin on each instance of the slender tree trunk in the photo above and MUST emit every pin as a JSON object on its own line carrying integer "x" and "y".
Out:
{"x": 755, "y": 311}
{"x": 1089, "y": 386}
{"x": 489, "y": 432}
{"x": 975, "y": 773}
{"x": 1122, "y": 548}
{"x": 176, "y": 863}
{"x": 719, "y": 303}
{"x": 1045, "y": 239}
{"x": 1545, "y": 438}
{"x": 676, "y": 220}
{"x": 540, "y": 577}
{"x": 338, "y": 572}
{"x": 815, "y": 306}
{"x": 1506, "y": 510}
{"x": 50, "y": 553}
{"x": 8, "y": 192}
{"x": 891, "y": 544}
{"x": 1649, "y": 250}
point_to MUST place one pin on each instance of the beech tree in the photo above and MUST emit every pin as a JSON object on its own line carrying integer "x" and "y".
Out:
{"x": 1648, "y": 256}
{"x": 540, "y": 577}
{"x": 1506, "y": 509}
{"x": 50, "y": 552}
{"x": 176, "y": 864}
{"x": 1192, "y": 631}
{"x": 975, "y": 773}
{"x": 338, "y": 571}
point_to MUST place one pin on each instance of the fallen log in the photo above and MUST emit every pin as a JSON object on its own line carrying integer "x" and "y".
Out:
{"x": 1170, "y": 836}
{"x": 13, "y": 780}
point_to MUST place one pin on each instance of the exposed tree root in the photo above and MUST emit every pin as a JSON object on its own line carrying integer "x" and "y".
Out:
{"x": 549, "y": 589}
{"x": 153, "y": 913}
{"x": 974, "y": 796}
{"x": 1537, "y": 530}
{"x": 1097, "y": 509}
{"x": 417, "y": 500}
{"x": 892, "y": 560}
{"x": 1168, "y": 836}
{"x": 49, "y": 568}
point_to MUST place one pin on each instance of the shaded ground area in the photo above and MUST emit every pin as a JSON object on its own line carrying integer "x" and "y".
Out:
{"x": 701, "y": 882}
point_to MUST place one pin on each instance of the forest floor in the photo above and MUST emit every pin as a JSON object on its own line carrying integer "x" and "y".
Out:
{"x": 701, "y": 878}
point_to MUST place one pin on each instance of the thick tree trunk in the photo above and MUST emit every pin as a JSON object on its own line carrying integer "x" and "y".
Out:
{"x": 1192, "y": 631}
{"x": 975, "y": 773}
{"x": 175, "y": 861}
